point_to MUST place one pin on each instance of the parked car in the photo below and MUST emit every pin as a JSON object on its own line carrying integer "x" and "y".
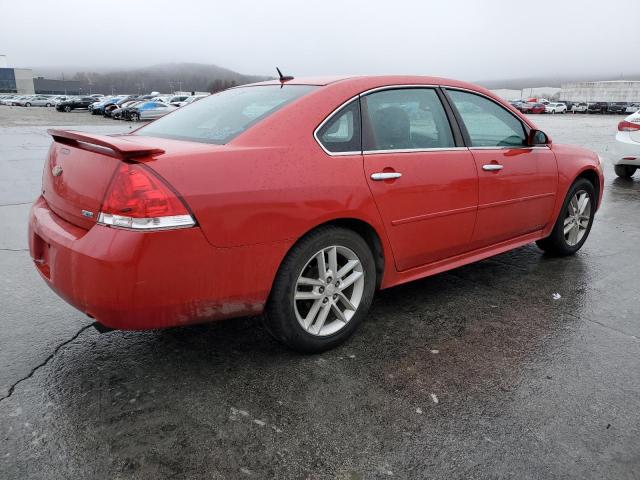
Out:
{"x": 192, "y": 98}
{"x": 597, "y": 107}
{"x": 177, "y": 100}
{"x": 627, "y": 150}
{"x": 97, "y": 108}
{"x": 170, "y": 229}
{"x": 74, "y": 104}
{"x": 150, "y": 111}
{"x": 15, "y": 101}
{"x": 555, "y": 107}
{"x": 617, "y": 107}
{"x": 106, "y": 111}
{"x": 633, "y": 108}
{"x": 39, "y": 101}
{"x": 7, "y": 99}
{"x": 532, "y": 108}
{"x": 580, "y": 107}
{"x": 123, "y": 111}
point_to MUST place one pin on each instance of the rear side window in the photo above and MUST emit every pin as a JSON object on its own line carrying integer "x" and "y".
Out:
{"x": 405, "y": 119}
{"x": 221, "y": 117}
{"x": 341, "y": 133}
{"x": 488, "y": 124}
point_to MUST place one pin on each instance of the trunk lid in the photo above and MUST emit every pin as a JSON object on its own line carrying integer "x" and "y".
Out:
{"x": 79, "y": 170}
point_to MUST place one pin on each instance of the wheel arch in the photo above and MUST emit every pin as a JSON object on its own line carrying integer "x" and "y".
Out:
{"x": 592, "y": 176}
{"x": 362, "y": 228}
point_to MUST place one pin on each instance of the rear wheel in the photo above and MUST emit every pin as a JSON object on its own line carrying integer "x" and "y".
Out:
{"x": 67, "y": 108}
{"x": 574, "y": 221}
{"x": 48, "y": 104}
{"x": 322, "y": 291}
{"x": 624, "y": 171}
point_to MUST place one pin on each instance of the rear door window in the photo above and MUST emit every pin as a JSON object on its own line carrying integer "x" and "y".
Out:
{"x": 405, "y": 119}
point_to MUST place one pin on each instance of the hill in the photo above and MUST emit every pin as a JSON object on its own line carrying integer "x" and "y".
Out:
{"x": 164, "y": 78}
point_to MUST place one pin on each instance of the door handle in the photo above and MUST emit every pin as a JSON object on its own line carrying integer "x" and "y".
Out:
{"x": 385, "y": 175}
{"x": 492, "y": 167}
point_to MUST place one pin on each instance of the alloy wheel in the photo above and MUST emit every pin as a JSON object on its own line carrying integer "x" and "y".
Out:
{"x": 578, "y": 216}
{"x": 329, "y": 290}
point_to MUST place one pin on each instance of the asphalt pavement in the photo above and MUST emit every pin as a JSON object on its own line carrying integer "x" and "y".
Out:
{"x": 520, "y": 366}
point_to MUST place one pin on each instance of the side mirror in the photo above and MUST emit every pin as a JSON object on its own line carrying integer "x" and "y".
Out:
{"x": 538, "y": 137}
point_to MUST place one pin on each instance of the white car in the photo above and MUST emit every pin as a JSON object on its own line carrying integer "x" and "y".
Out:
{"x": 555, "y": 108}
{"x": 627, "y": 150}
{"x": 580, "y": 107}
{"x": 632, "y": 108}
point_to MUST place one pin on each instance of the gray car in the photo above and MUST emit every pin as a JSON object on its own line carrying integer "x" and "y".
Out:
{"x": 38, "y": 101}
{"x": 151, "y": 111}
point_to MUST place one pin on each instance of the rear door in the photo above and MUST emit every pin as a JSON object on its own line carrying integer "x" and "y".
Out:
{"x": 517, "y": 183}
{"x": 424, "y": 182}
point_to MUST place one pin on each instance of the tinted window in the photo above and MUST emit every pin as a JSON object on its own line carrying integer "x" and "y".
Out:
{"x": 221, "y": 117}
{"x": 402, "y": 119}
{"x": 342, "y": 132}
{"x": 488, "y": 124}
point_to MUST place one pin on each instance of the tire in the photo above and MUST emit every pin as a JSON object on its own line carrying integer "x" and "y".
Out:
{"x": 624, "y": 171}
{"x": 68, "y": 108}
{"x": 284, "y": 314}
{"x": 561, "y": 244}
{"x": 48, "y": 105}
{"x": 27, "y": 104}
{"x": 135, "y": 117}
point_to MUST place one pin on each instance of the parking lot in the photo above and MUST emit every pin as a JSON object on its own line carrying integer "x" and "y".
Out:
{"x": 519, "y": 366}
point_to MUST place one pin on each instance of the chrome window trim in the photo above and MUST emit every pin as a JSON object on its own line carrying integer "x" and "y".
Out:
{"x": 502, "y": 147}
{"x": 414, "y": 150}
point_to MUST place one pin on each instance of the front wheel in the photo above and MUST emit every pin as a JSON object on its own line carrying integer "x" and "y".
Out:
{"x": 135, "y": 116}
{"x": 48, "y": 105}
{"x": 574, "y": 221}
{"x": 322, "y": 291}
{"x": 67, "y": 109}
{"x": 624, "y": 171}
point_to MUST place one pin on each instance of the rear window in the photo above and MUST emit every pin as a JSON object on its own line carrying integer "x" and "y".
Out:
{"x": 221, "y": 117}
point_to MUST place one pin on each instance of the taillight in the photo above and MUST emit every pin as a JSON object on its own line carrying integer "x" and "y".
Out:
{"x": 625, "y": 126}
{"x": 139, "y": 200}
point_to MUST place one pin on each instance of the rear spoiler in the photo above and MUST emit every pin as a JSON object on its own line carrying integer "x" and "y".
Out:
{"x": 114, "y": 146}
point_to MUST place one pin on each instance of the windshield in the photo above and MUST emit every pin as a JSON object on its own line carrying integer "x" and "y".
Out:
{"x": 221, "y": 117}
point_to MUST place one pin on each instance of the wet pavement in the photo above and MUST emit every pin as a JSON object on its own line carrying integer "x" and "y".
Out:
{"x": 520, "y": 366}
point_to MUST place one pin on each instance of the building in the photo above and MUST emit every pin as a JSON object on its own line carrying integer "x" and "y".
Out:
{"x": 57, "y": 87}
{"x": 16, "y": 80}
{"x": 606, "y": 91}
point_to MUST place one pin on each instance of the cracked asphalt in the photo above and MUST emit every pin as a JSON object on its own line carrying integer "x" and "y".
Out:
{"x": 521, "y": 366}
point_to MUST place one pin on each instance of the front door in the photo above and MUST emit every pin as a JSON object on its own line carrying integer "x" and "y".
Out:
{"x": 425, "y": 187}
{"x": 517, "y": 183}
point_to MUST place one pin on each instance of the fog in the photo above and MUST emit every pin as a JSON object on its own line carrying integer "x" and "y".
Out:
{"x": 468, "y": 39}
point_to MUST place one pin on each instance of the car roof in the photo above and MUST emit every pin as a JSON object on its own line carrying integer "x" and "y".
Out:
{"x": 374, "y": 81}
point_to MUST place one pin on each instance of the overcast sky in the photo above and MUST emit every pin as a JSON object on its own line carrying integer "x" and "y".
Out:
{"x": 467, "y": 39}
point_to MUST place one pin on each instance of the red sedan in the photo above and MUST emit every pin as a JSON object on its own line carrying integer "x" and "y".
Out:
{"x": 297, "y": 199}
{"x": 532, "y": 108}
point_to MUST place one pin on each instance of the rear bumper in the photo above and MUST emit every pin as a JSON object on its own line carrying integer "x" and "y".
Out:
{"x": 144, "y": 280}
{"x": 626, "y": 150}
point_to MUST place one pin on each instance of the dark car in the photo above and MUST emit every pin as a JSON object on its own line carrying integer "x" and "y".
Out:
{"x": 617, "y": 107}
{"x": 109, "y": 108}
{"x": 597, "y": 107}
{"x": 74, "y": 103}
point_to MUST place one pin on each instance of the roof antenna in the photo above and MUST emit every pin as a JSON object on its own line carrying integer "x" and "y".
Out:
{"x": 282, "y": 77}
